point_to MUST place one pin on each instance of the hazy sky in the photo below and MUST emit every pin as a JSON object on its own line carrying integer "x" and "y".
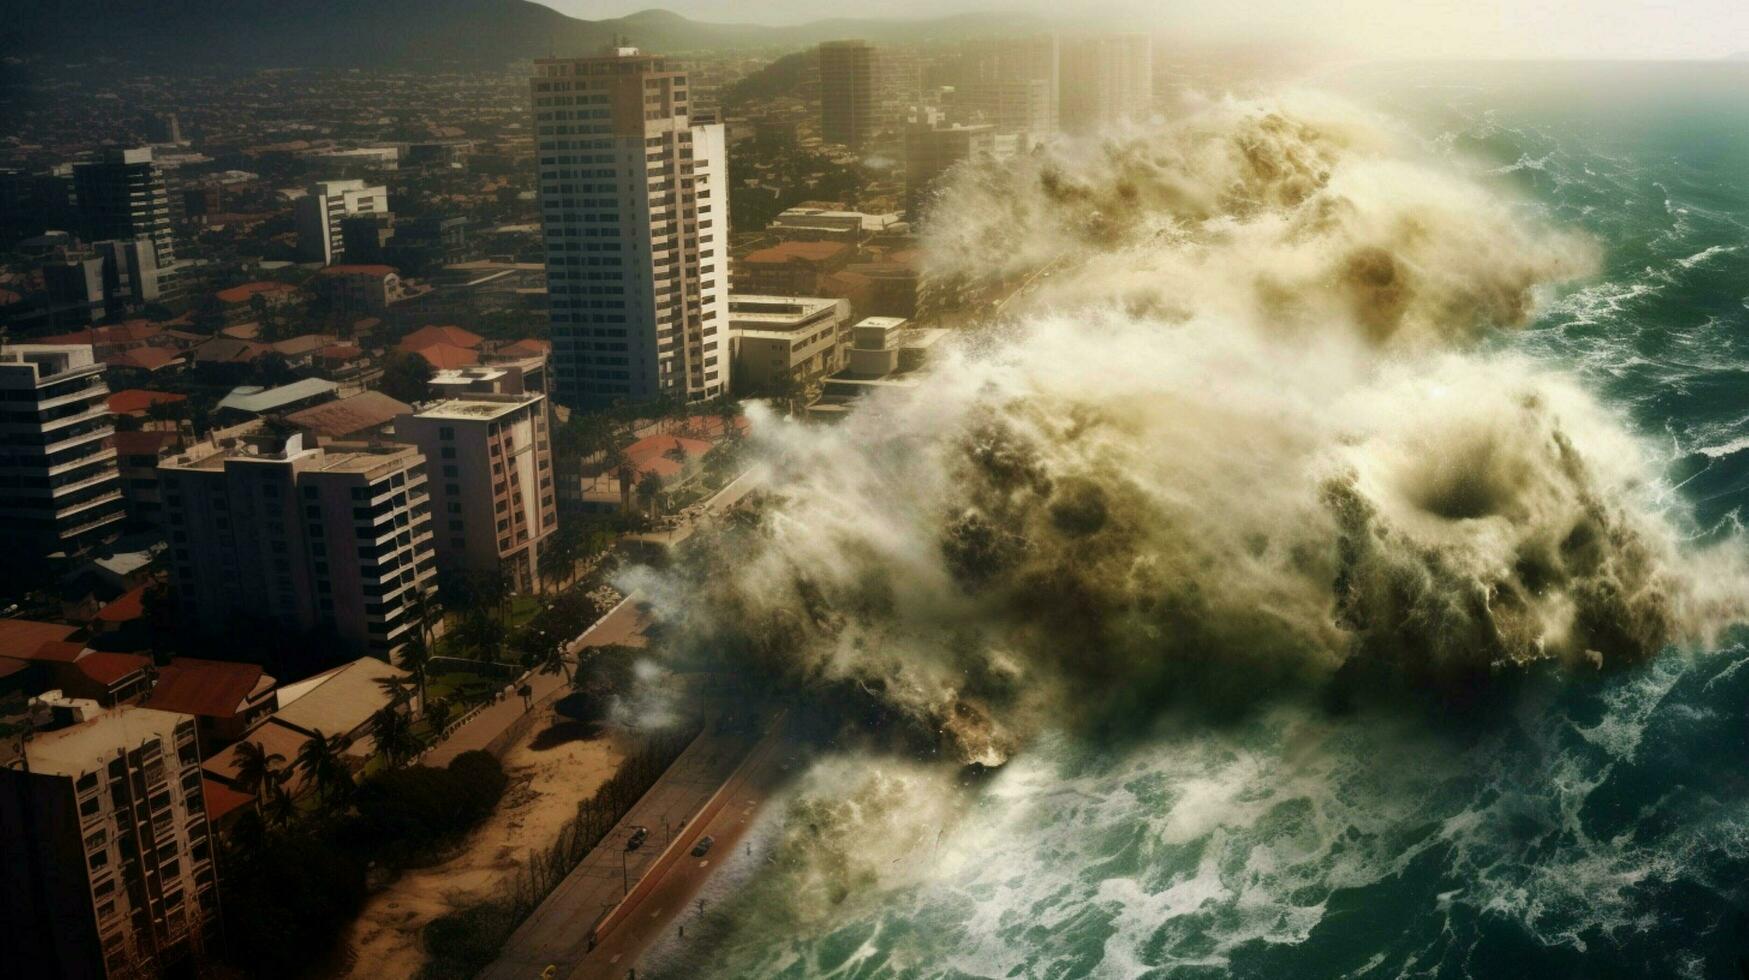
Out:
{"x": 1455, "y": 28}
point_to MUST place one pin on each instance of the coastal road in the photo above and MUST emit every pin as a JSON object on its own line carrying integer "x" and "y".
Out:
{"x": 668, "y": 906}
{"x": 623, "y": 624}
{"x": 557, "y": 933}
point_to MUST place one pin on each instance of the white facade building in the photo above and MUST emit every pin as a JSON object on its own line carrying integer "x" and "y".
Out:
{"x": 60, "y": 489}
{"x": 635, "y": 205}
{"x": 320, "y": 211}
{"x": 1107, "y": 80}
{"x": 106, "y": 863}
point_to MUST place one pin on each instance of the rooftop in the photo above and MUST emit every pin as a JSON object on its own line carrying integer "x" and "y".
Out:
{"x": 21, "y": 638}
{"x": 249, "y": 290}
{"x": 797, "y": 252}
{"x": 778, "y": 312}
{"x": 377, "y": 271}
{"x": 339, "y": 701}
{"x": 476, "y": 408}
{"x": 254, "y": 400}
{"x": 88, "y": 745}
{"x": 341, "y": 418}
{"x": 212, "y": 688}
{"x": 132, "y": 400}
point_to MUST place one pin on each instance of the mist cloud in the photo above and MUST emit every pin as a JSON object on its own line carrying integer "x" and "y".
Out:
{"x": 1241, "y": 440}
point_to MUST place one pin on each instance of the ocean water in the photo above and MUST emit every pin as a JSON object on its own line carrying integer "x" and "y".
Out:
{"x": 1574, "y": 827}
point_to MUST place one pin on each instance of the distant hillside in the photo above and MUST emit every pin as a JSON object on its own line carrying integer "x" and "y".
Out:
{"x": 168, "y": 34}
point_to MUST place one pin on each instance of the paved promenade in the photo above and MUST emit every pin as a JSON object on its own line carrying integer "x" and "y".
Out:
{"x": 558, "y": 930}
{"x": 623, "y": 624}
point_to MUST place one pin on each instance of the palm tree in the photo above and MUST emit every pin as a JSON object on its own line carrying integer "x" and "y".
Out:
{"x": 399, "y": 691}
{"x": 479, "y": 635}
{"x": 554, "y": 661}
{"x": 422, "y": 604}
{"x": 256, "y": 768}
{"x": 415, "y": 660}
{"x": 281, "y": 808}
{"x": 320, "y": 759}
{"x": 437, "y": 715}
{"x": 649, "y": 490}
{"x": 393, "y": 735}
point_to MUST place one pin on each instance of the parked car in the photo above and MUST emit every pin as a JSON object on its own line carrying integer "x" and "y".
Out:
{"x": 703, "y": 846}
{"x": 637, "y": 838}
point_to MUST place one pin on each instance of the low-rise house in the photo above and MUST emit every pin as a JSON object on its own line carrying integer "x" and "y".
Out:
{"x": 359, "y": 288}
{"x": 225, "y": 698}
{"x": 240, "y": 304}
{"x": 790, "y": 268}
{"x": 301, "y": 351}
{"x": 139, "y": 402}
{"x": 359, "y": 417}
{"x": 252, "y": 401}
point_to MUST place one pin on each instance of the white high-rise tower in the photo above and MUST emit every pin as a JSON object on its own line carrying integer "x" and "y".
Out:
{"x": 635, "y": 203}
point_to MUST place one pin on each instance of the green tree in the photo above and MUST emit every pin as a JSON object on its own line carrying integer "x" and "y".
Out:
{"x": 479, "y": 635}
{"x": 554, "y": 661}
{"x": 392, "y": 731}
{"x": 416, "y": 661}
{"x": 437, "y": 715}
{"x": 256, "y": 769}
{"x": 281, "y": 808}
{"x": 649, "y": 492}
{"x": 320, "y": 758}
{"x": 406, "y": 377}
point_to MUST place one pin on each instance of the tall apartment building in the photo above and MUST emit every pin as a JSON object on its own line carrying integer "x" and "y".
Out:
{"x": 1106, "y": 80}
{"x": 635, "y": 206}
{"x": 333, "y": 537}
{"x": 492, "y": 483}
{"x": 849, "y": 93}
{"x": 130, "y": 273}
{"x": 124, "y": 196}
{"x": 785, "y": 343}
{"x": 60, "y": 491}
{"x": 106, "y": 862}
{"x": 930, "y": 153}
{"x": 1013, "y": 85}
{"x": 320, "y": 214}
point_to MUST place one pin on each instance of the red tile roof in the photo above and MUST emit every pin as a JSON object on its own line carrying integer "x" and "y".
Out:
{"x": 210, "y": 688}
{"x": 128, "y": 606}
{"x": 797, "y": 252}
{"x": 526, "y": 348}
{"x": 56, "y": 651}
{"x": 222, "y": 799}
{"x": 441, "y": 356}
{"x": 108, "y": 668}
{"x": 245, "y": 292}
{"x": 340, "y": 352}
{"x": 446, "y": 334}
{"x": 649, "y": 454}
{"x": 12, "y": 665}
{"x": 346, "y": 416}
{"x": 144, "y": 358}
{"x": 131, "y": 400}
{"x": 131, "y": 332}
{"x": 358, "y": 270}
{"x": 22, "y": 638}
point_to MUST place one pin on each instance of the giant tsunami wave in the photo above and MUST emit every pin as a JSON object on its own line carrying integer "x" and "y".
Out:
{"x": 1202, "y": 541}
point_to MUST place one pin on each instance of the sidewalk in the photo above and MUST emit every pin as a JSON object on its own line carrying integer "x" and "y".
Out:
{"x": 557, "y": 932}
{"x": 493, "y": 728}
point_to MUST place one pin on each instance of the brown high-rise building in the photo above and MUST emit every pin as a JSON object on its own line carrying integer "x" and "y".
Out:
{"x": 106, "y": 855}
{"x": 310, "y": 537}
{"x": 849, "y": 97}
{"x": 1106, "y": 81}
{"x": 492, "y": 480}
{"x": 634, "y": 198}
